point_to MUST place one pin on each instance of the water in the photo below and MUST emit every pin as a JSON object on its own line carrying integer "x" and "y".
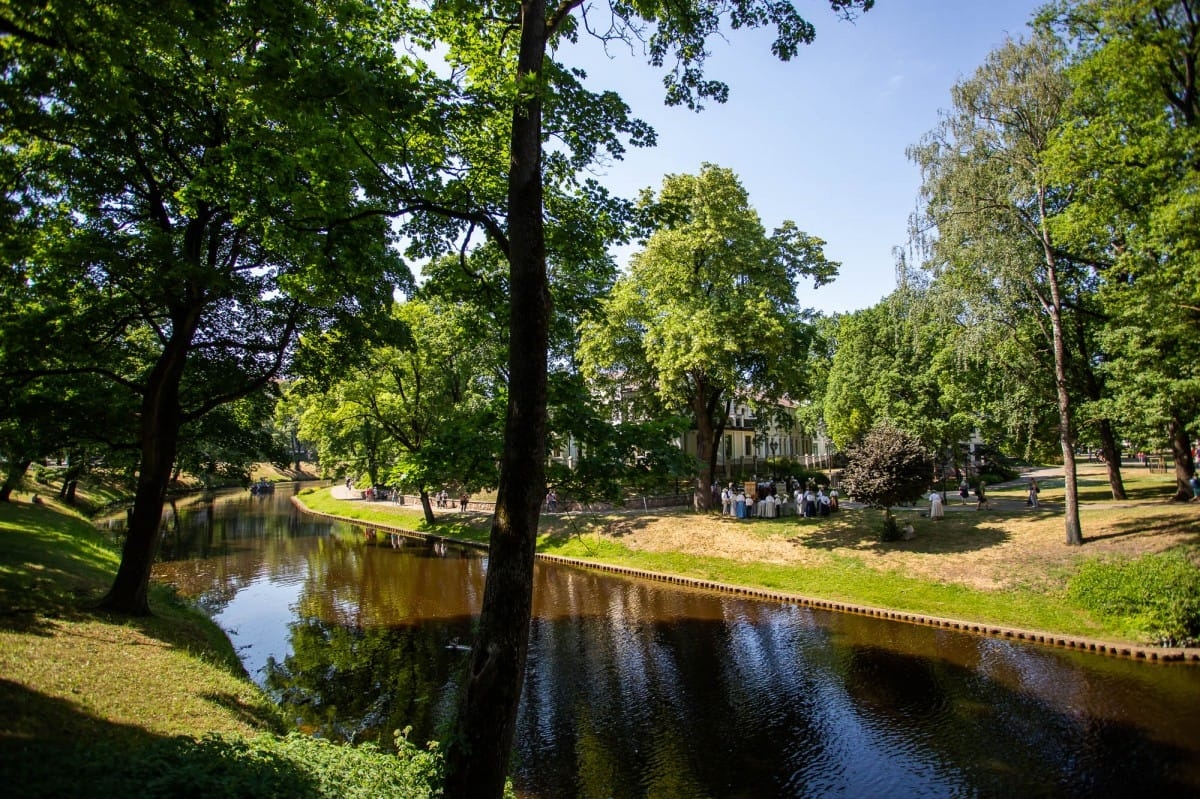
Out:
{"x": 636, "y": 689}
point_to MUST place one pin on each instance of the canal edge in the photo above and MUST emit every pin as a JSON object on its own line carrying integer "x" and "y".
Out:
{"x": 1148, "y": 654}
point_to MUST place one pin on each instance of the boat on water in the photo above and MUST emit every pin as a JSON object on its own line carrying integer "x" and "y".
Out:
{"x": 262, "y": 487}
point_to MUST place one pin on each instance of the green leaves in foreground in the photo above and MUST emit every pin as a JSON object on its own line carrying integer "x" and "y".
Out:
{"x": 297, "y": 766}
{"x": 1157, "y": 596}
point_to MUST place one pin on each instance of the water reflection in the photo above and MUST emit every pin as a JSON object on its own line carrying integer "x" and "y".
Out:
{"x": 637, "y": 689}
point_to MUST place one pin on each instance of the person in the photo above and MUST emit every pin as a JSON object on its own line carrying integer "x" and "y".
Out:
{"x": 981, "y": 496}
{"x": 822, "y": 503}
{"x": 810, "y": 503}
{"x": 936, "y": 511}
{"x": 726, "y": 500}
{"x": 1033, "y": 493}
{"x": 833, "y": 498}
{"x": 1195, "y": 481}
{"x": 552, "y": 501}
{"x": 739, "y": 504}
{"x": 463, "y": 500}
{"x": 964, "y": 490}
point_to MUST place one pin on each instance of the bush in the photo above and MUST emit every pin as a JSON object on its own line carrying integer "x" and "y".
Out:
{"x": 1157, "y": 596}
{"x": 887, "y": 467}
{"x": 296, "y": 766}
{"x": 890, "y": 530}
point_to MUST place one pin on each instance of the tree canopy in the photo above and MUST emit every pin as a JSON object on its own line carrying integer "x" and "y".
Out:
{"x": 709, "y": 313}
{"x": 187, "y": 204}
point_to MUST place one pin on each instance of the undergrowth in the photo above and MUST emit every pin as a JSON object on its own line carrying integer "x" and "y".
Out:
{"x": 296, "y": 766}
{"x": 1155, "y": 597}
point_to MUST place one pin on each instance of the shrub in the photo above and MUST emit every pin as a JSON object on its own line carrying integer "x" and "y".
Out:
{"x": 890, "y": 530}
{"x": 296, "y": 766}
{"x": 888, "y": 467}
{"x": 1156, "y": 596}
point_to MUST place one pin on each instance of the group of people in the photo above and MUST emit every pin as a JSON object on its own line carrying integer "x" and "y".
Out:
{"x": 769, "y": 501}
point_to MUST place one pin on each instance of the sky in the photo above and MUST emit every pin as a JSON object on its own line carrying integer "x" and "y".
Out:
{"x": 819, "y": 140}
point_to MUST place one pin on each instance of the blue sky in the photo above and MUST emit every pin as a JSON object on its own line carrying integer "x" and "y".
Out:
{"x": 821, "y": 139}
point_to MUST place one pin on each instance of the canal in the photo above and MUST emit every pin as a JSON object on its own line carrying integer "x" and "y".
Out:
{"x": 638, "y": 689}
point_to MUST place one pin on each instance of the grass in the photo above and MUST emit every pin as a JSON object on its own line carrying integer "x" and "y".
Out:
{"x": 161, "y": 706}
{"x": 1022, "y": 550}
{"x": 67, "y": 670}
{"x": 154, "y": 707}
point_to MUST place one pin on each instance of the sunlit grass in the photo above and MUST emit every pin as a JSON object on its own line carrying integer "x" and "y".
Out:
{"x": 849, "y": 580}
{"x": 1035, "y": 599}
{"x": 68, "y": 670}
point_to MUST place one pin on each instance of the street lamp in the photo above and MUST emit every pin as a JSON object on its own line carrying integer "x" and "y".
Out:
{"x": 774, "y": 448}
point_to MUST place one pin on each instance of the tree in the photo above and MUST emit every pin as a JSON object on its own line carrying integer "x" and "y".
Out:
{"x": 195, "y": 203}
{"x": 477, "y": 761}
{"x": 897, "y": 361}
{"x": 431, "y": 401}
{"x": 887, "y": 467}
{"x": 1129, "y": 148}
{"x": 990, "y": 195}
{"x": 708, "y": 314}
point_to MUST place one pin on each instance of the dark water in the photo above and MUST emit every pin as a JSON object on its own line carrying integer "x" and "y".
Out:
{"x": 634, "y": 689}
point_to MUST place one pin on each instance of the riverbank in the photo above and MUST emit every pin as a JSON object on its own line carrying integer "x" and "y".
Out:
{"x": 1005, "y": 568}
{"x": 101, "y": 705}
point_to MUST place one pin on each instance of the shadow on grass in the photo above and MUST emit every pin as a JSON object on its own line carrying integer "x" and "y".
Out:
{"x": 858, "y": 530}
{"x": 1167, "y": 525}
{"x": 556, "y": 530}
{"x": 66, "y": 751}
{"x": 260, "y": 717}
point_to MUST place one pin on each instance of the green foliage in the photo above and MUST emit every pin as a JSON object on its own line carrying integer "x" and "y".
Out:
{"x": 1156, "y": 597}
{"x": 896, "y": 361}
{"x": 297, "y": 766}
{"x": 709, "y": 312}
{"x": 1128, "y": 152}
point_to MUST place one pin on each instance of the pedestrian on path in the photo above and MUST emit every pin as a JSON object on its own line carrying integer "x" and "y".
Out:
{"x": 936, "y": 511}
{"x": 964, "y": 490}
{"x": 1033, "y": 493}
{"x": 981, "y": 496}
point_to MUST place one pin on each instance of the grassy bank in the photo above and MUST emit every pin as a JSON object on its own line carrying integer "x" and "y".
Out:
{"x": 1007, "y": 566}
{"x": 106, "y": 706}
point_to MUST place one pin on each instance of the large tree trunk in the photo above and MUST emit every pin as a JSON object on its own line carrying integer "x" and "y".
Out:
{"x": 16, "y": 471}
{"x": 717, "y": 439}
{"x": 705, "y": 455}
{"x": 1074, "y": 534}
{"x": 478, "y": 757}
{"x": 710, "y": 426}
{"x": 1112, "y": 458}
{"x": 1181, "y": 453}
{"x": 427, "y": 508}
{"x": 159, "y": 440}
{"x": 1095, "y": 391}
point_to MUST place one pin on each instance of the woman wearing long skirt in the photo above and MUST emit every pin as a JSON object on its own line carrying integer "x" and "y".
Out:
{"x": 935, "y": 505}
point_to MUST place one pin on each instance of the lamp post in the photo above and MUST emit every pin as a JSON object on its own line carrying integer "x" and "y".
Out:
{"x": 774, "y": 448}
